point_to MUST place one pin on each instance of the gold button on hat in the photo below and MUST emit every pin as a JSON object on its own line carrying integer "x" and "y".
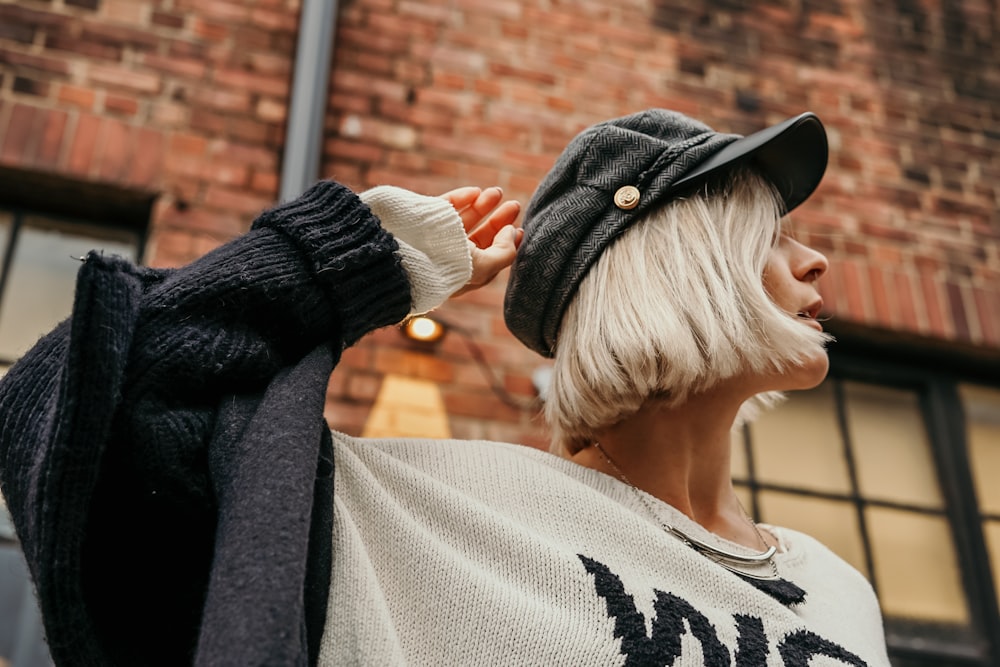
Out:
{"x": 627, "y": 197}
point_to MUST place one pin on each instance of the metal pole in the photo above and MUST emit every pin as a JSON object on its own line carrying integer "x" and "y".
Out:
{"x": 307, "y": 106}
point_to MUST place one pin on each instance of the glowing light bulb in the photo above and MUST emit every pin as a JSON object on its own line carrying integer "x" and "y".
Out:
{"x": 423, "y": 329}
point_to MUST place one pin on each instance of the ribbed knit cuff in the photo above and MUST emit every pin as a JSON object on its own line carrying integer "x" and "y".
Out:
{"x": 433, "y": 246}
{"x": 351, "y": 255}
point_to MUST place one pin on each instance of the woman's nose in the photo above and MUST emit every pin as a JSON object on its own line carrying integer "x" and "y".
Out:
{"x": 808, "y": 263}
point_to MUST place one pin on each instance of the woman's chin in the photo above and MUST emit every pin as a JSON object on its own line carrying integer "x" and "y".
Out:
{"x": 809, "y": 374}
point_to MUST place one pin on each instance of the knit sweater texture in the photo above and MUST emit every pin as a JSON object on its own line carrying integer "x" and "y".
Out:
{"x": 485, "y": 553}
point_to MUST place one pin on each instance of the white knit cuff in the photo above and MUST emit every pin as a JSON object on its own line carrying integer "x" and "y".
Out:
{"x": 433, "y": 247}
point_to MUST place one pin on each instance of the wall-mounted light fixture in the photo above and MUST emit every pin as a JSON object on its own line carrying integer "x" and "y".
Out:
{"x": 427, "y": 331}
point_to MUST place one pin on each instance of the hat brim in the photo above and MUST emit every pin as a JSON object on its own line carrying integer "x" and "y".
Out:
{"x": 792, "y": 155}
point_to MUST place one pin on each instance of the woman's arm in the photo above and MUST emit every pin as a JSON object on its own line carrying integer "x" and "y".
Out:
{"x": 106, "y": 425}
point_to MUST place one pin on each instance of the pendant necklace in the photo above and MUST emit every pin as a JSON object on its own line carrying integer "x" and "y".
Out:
{"x": 734, "y": 562}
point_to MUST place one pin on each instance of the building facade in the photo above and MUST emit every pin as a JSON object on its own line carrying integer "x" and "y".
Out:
{"x": 157, "y": 129}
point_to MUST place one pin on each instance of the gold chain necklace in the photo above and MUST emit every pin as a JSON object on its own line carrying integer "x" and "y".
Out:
{"x": 730, "y": 560}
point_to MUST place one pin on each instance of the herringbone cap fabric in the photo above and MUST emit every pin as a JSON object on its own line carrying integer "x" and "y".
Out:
{"x": 573, "y": 217}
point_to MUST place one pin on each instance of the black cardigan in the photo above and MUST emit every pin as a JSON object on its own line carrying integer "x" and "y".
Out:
{"x": 163, "y": 452}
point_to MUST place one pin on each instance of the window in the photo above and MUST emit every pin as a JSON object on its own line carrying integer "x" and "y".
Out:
{"x": 878, "y": 463}
{"x": 46, "y": 224}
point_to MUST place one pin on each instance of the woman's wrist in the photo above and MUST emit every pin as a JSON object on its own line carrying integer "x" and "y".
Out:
{"x": 433, "y": 246}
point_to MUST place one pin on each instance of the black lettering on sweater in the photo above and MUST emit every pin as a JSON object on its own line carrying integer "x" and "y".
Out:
{"x": 662, "y": 647}
{"x": 798, "y": 648}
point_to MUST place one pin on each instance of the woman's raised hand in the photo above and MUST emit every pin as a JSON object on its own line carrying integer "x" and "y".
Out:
{"x": 490, "y": 226}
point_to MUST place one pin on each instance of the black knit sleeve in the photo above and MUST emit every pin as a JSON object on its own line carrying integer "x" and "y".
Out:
{"x": 109, "y": 425}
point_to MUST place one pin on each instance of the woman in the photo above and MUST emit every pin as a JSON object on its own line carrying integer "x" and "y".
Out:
{"x": 179, "y": 498}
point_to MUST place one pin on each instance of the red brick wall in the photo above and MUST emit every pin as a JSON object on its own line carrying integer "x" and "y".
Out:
{"x": 184, "y": 97}
{"x": 188, "y": 98}
{"x": 431, "y": 94}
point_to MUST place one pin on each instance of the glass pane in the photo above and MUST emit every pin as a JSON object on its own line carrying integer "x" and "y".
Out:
{"x": 890, "y": 445}
{"x": 832, "y": 522}
{"x": 39, "y": 289}
{"x": 916, "y": 568}
{"x": 992, "y": 531}
{"x": 982, "y": 422}
{"x": 799, "y": 442}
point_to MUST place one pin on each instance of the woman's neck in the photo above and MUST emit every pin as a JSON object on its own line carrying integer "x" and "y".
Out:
{"x": 680, "y": 455}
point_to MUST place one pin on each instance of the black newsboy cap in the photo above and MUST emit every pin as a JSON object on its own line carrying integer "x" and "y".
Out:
{"x": 613, "y": 173}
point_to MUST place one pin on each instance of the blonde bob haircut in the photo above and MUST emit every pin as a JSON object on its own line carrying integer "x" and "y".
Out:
{"x": 673, "y": 306}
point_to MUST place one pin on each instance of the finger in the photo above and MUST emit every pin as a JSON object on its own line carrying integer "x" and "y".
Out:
{"x": 481, "y": 207}
{"x": 504, "y": 215}
{"x": 462, "y": 198}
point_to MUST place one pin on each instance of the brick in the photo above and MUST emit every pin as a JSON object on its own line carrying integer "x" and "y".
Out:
{"x": 252, "y": 38}
{"x": 20, "y": 130}
{"x": 124, "y": 78}
{"x": 937, "y": 322}
{"x": 236, "y": 201}
{"x": 413, "y": 364}
{"x": 115, "y": 151}
{"x": 208, "y": 122}
{"x": 226, "y": 173}
{"x": 906, "y": 291}
{"x": 212, "y": 31}
{"x": 118, "y": 104}
{"x": 81, "y": 152}
{"x": 225, "y": 12}
{"x": 180, "y": 66}
{"x": 148, "y": 158}
{"x": 169, "y": 115}
{"x": 252, "y": 82}
{"x": 353, "y": 150}
{"x": 957, "y": 311}
{"x": 166, "y": 19}
{"x": 390, "y": 135}
{"x": 126, "y": 11}
{"x": 252, "y": 156}
{"x": 271, "y": 110}
{"x": 280, "y": 21}
{"x": 20, "y": 60}
{"x": 249, "y": 130}
{"x": 236, "y": 101}
{"x": 91, "y": 49}
{"x": 885, "y": 310}
{"x": 987, "y": 305}
{"x": 276, "y": 64}
{"x": 76, "y": 96}
{"x": 264, "y": 182}
{"x": 50, "y": 140}
{"x": 481, "y": 405}
{"x": 118, "y": 36}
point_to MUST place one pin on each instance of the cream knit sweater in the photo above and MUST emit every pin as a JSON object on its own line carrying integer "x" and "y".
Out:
{"x": 484, "y": 553}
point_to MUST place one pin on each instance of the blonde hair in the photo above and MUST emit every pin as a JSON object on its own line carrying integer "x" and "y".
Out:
{"x": 672, "y": 307}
